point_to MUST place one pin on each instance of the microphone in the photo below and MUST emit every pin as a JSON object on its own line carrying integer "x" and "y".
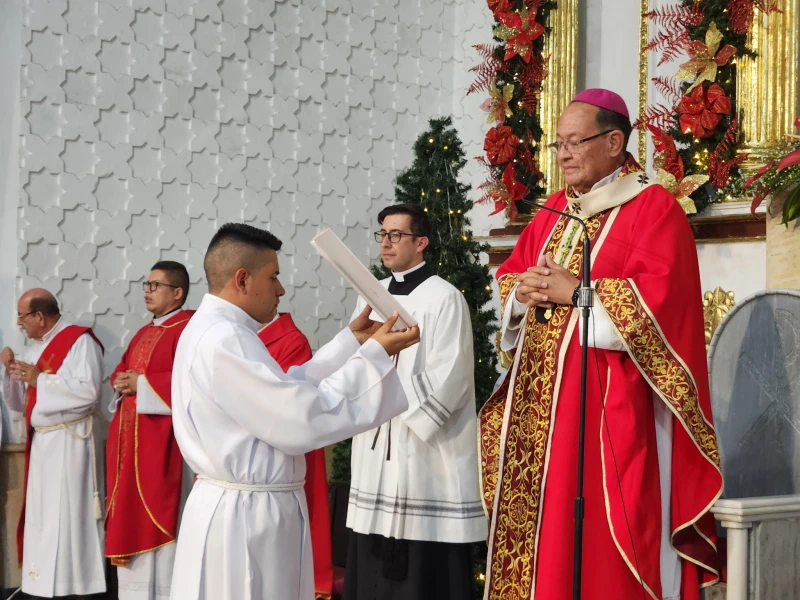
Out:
{"x": 585, "y": 301}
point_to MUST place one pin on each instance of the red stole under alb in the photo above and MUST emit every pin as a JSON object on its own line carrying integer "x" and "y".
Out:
{"x": 49, "y": 362}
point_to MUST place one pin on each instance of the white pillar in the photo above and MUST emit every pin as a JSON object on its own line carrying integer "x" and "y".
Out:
{"x": 738, "y": 546}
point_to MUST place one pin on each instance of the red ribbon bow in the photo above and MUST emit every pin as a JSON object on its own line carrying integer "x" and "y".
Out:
{"x": 500, "y": 145}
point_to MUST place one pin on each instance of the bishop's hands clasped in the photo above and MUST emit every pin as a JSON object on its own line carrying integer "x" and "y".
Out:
{"x": 546, "y": 284}
{"x": 393, "y": 342}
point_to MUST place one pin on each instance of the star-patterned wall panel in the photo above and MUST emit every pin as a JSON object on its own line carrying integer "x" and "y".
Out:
{"x": 149, "y": 123}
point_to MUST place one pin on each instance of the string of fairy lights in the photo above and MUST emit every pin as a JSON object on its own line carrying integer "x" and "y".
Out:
{"x": 453, "y": 214}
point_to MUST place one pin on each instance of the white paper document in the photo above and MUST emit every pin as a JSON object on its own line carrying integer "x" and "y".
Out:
{"x": 332, "y": 249}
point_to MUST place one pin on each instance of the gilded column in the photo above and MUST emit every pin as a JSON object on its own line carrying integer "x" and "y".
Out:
{"x": 560, "y": 85}
{"x": 644, "y": 78}
{"x": 766, "y": 85}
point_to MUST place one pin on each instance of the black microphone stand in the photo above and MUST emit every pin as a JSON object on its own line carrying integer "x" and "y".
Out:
{"x": 585, "y": 303}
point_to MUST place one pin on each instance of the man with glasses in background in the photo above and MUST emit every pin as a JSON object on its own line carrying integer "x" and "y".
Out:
{"x": 57, "y": 385}
{"x": 144, "y": 463}
{"x": 652, "y": 463}
{"x": 414, "y": 504}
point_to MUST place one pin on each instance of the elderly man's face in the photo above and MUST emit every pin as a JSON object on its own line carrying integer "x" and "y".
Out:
{"x": 592, "y": 160}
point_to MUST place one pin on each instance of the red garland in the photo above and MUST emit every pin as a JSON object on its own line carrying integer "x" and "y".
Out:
{"x": 702, "y": 110}
{"x": 515, "y": 189}
{"x": 742, "y": 12}
{"x": 513, "y": 62}
{"x": 719, "y": 169}
{"x": 500, "y": 145}
{"x": 664, "y": 144}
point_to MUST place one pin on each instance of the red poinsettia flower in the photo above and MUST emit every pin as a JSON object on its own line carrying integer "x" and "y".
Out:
{"x": 797, "y": 123}
{"x": 500, "y": 145}
{"x": 705, "y": 59}
{"x": 702, "y": 110}
{"x": 499, "y": 6}
{"x": 518, "y": 30}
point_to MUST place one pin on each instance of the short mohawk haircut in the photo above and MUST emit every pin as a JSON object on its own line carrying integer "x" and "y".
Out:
{"x": 235, "y": 246}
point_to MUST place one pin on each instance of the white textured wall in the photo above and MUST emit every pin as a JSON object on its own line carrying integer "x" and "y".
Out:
{"x": 148, "y": 123}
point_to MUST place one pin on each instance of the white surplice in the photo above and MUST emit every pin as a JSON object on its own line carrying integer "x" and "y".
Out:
{"x": 417, "y": 479}
{"x": 239, "y": 418}
{"x": 63, "y": 545}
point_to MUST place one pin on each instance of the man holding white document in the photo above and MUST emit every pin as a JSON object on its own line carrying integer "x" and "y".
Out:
{"x": 243, "y": 425}
{"x": 415, "y": 506}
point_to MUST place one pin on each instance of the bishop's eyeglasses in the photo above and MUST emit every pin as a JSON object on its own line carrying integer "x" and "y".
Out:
{"x": 576, "y": 147}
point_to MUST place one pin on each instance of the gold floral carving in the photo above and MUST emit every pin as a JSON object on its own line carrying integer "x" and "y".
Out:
{"x": 716, "y": 306}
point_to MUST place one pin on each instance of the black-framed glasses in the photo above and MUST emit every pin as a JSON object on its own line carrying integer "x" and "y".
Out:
{"x": 27, "y": 314}
{"x": 575, "y": 147}
{"x": 154, "y": 285}
{"x": 394, "y": 236}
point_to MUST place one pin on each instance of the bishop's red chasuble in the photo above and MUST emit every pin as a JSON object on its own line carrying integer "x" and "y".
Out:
{"x": 50, "y": 362}
{"x": 143, "y": 461}
{"x": 646, "y": 277}
{"x": 289, "y": 347}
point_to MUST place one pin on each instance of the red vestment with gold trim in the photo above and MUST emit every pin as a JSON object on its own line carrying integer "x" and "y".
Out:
{"x": 143, "y": 461}
{"x": 647, "y": 279}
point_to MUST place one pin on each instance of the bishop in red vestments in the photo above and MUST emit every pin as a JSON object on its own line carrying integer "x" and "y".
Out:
{"x": 289, "y": 347}
{"x": 144, "y": 464}
{"x": 652, "y": 462}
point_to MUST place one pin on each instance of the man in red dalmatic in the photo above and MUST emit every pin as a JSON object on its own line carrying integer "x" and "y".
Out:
{"x": 144, "y": 464}
{"x": 289, "y": 347}
{"x": 652, "y": 462}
